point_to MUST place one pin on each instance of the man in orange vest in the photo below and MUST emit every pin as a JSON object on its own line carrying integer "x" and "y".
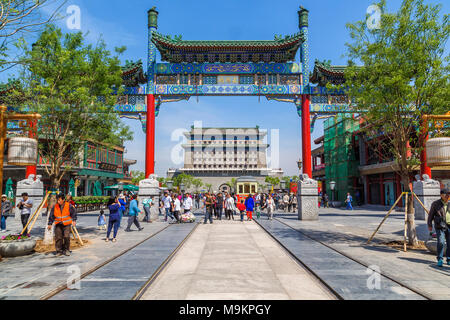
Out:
{"x": 64, "y": 216}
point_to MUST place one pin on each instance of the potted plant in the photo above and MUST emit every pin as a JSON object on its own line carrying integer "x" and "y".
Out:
{"x": 16, "y": 245}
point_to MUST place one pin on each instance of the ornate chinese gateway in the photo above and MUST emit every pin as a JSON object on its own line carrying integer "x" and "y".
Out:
{"x": 229, "y": 68}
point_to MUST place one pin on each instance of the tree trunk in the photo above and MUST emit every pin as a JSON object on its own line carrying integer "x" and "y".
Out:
{"x": 48, "y": 235}
{"x": 411, "y": 224}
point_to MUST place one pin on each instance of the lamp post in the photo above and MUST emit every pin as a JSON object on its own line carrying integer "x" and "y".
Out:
{"x": 182, "y": 187}
{"x": 283, "y": 186}
{"x": 169, "y": 185}
{"x": 332, "y": 187}
{"x": 269, "y": 187}
{"x": 299, "y": 165}
{"x": 4, "y": 118}
{"x": 120, "y": 187}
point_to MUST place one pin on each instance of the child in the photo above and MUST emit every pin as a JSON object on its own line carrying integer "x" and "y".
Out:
{"x": 102, "y": 220}
{"x": 241, "y": 208}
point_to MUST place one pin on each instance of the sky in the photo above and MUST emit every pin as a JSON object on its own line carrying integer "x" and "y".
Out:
{"x": 124, "y": 23}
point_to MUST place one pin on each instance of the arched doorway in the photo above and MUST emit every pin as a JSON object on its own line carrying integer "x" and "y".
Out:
{"x": 224, "y": 188}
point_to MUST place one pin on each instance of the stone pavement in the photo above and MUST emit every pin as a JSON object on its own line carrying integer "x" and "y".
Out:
{"x": 349, "y": 279}
{"x": 230, "y": 260}
{"x": 122, "y": 278}
{"x": 348, "y": 231}
{"x": 31, "y": 277}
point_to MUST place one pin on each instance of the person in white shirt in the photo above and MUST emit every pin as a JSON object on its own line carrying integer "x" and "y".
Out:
{"x": 176, "y": 207}
{"x": 286, "y": 202}
{"x": 229, "y": 207}
{"x": 270, "y": 204}
{"x": 188, "y": 203}
{"x": 167, "y": 204}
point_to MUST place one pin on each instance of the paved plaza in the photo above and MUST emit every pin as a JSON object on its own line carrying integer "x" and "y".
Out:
{"x": 230, "y": 260}
{"x": 234, "y": 260}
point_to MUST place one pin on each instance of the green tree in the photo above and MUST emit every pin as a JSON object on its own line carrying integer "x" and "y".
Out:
{"x": 184, "y": 178}
{"x": 137, "y": 176}
{"x": 274, "y": 181}
{"x": 21, "y": 18}
{"x": 232, "y": 183}
{"x": 162, "y": 181}
{"x": 71, "y": 84}
{"x": 197, "y": 183}
{"x": 208, "y": 186}
{"x": 404, "y": 74}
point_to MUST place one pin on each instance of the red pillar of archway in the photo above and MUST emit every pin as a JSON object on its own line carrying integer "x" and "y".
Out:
{"x": 306, "y": 135}
{"x": 150, "y": 137}
{"x": 32, "y": 124}
{"x": 424, "y": 168}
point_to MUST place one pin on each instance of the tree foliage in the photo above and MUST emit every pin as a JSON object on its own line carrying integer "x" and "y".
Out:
{"x": 404, "y": 74}
{"x": 137, "y": 176}
{"x": 19, "y": 18}
{"x": 71, "y": 84}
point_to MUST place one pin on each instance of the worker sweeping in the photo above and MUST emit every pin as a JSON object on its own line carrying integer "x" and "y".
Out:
{"x": 63, "y": 215}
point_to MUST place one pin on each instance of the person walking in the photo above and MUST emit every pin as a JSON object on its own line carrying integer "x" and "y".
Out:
{"x": 101, "y": 220}
{"x": 123, "y": 205}
{"x": 6, "y": 211}
{"x": 258, "y": 205}
{"x": 187, "y": 204}
{"x": 294, "y": 202}
{"x": 64, "y": 216}
{"x": 286, "y": 202}
{"x": 114, "y": 218}
{"x": 249, "y": 205}
{"x": 167, "y": 204}
{"x": 219, "y": 205}
{"x": 147, "y": 204}
{"x": 25, "y": 204}
{"x": 176, "y": 208}
{"x": 349, "y": 202}
{"x": 209, "y": 205}
{"x": 440, "y": 215}
{"x": 241, "y": 207}
{"x": 270, "y": 205}
{"x": 325, "y": 200}
{"x": 134, "y": 211}
{"x": 229, "y": 207}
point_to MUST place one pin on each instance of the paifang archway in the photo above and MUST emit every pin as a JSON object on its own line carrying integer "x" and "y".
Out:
{"x": 227, "y": 68}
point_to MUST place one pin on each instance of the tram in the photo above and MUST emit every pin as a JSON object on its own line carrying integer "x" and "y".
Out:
{"x": 245, "y": 186}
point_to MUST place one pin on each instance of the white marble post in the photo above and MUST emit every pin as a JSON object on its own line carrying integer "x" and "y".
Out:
{"x": 34, "y": 188}
{"x": 428, "y": 191}
{"x": 149, "y": 188}
{"x": 308, "y": 198}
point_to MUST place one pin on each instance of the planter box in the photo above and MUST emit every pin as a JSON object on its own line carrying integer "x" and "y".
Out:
{"x": 16, "y": 248}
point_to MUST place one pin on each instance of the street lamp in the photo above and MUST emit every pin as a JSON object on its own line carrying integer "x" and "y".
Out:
{"x": 283, "y": 185}
{"x": 269, "y": 187}
{"x": 332, "y": 187}
{"x": 299, "y": 165}
{"x": 169, "y": 185}
{"x": 182, "y": 187}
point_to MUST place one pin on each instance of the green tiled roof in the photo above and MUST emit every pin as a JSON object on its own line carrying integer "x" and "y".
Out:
{"x": 286, "y": 48}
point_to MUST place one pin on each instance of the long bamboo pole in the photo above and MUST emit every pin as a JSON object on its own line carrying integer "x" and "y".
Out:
{"x": 423, "y": 206}
{"x": 384, "y": 219}
{"x": 79, "y": 238}
{"x": 406, "y": 221}
{"x": 39, "y": 212}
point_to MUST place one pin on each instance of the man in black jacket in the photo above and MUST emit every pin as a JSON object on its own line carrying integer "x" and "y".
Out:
{"x": 440, "y": 215}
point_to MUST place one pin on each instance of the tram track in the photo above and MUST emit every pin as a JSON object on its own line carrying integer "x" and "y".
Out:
{"x": 54, "y": 293}
{"x": 161, "y": 268}
{"x": 327, "y": 285}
